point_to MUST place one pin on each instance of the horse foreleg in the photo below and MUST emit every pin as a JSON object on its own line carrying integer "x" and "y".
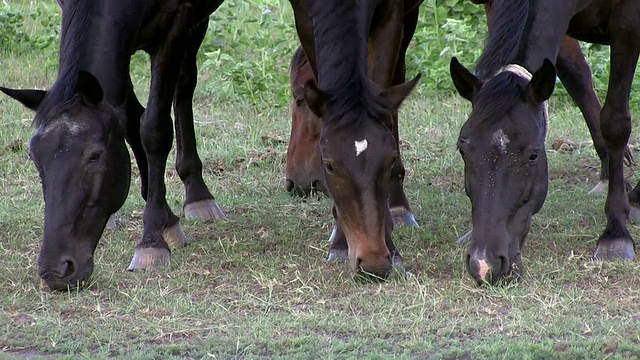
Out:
{"x": 615, "y": 124}
{"x": 134, "y": 112}
{"x": 161, "y": 225}
{"x": 387, "y": 71}
{"x": 199, "y": 203}
{"x": 575, "y": 74}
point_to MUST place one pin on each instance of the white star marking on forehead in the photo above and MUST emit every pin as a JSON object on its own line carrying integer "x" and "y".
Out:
{"x": 500, "y": 139}
{"x": 361, "y": 146}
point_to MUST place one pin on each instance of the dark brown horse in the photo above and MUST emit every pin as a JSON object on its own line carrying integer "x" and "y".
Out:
{"x": 354, "y": 50}
{"x": 502, "y": 142}
{"x": 83, "y": 120}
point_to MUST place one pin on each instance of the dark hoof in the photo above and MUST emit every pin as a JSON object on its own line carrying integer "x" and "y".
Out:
{"x": 111, "y": 223}
{"x": 174, "y": 235}
{"x": 149, "y": 259}
{"x": 338, "y": 255}
{"x": 203, "y": 210}
{"x": 464, "y": 239}
{"x": 599, "y": 189}
{"x": 614, "y": 249}
{"x": 402, "y": 216}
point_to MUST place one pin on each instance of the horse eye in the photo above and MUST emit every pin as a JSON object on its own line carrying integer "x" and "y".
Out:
{"x": 328, "y": 167}
{"x": 95, "y": 156}
{"x": 534, "y": 156}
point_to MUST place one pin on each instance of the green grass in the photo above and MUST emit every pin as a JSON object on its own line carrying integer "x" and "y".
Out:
{"x": 256, "y": 284}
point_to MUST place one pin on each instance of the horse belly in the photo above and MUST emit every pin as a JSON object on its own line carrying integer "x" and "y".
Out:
{"x": 166, "y": 18}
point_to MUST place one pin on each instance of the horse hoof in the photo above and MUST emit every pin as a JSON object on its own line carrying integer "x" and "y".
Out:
{"x": 599, "y": 189}
{"x": 111, "y": 223}
{"x": 203, "y": 210}
{"x": 149, "y": 259}
{"x": 402, "y": 216}
{"x": 464, "y": 239}
{"x": 338, "y": 255}
{"x": 398, "y": 265}
{"x": 614, "y": 249}
{"x": 174, "y": 235}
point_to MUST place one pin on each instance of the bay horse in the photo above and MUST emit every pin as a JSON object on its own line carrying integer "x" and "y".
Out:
{"x": 343, "y": 40}
{"x": 502, "y": 142}
{"x": 303, "y": 169}
{"x": 83, "y": 120}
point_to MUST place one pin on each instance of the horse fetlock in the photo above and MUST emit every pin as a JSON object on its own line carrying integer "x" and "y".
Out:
{"x": 149, "y": 259}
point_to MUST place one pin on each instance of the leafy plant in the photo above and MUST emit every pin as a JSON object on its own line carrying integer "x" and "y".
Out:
{"x": 12, "y": 34}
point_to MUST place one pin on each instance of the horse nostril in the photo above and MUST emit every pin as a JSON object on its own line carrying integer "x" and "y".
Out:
{"x": 314, "y": 184}
{"x": 289, "y": 185}
{"x": 68, "y": 267}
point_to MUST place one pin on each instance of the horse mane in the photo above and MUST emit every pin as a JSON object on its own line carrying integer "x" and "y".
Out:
{"x": 501, "y": 93}
{"x": 62, "y": 94}
{"x": 507, "y": 20}
{"x": 340, "y": 35}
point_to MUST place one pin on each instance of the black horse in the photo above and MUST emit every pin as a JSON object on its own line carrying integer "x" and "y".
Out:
{"x": 82, "y": 122}
{"x": 502, "y": 142}
{"x": 343, "y": 40}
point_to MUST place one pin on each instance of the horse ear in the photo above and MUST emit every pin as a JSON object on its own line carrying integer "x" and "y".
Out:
{"x": 29, "y": 98}
{"x": 542, "y": 83}
{"x": 465, "y": 82}
{"x": 315, "y": 98}
{"x": 89, "y": 88}
{"x": 395, "y": 95}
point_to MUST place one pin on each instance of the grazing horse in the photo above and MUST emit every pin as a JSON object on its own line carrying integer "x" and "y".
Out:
{"x": 303, "y": 170}
{"x": 358, "y": 137}
{"x": 575, "y": 74}
{"x": 502, "y": 142}
{"x": 82, "y": 122}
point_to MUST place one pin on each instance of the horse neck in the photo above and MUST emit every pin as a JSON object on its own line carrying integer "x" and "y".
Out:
{"x": 545, "y": 32}
{"x": 340, "y": 29}
{"x": 94, "y": 40}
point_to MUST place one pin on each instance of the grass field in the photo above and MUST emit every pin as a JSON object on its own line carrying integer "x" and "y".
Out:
{"x": 256, "y": 284}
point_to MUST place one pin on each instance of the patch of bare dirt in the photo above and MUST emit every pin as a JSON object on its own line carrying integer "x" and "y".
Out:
{"x": 15, "y": 145}
{"x": 564, "y": 145}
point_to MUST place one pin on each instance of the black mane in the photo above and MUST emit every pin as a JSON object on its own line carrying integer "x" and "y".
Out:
{"x": 62, "y": 94}
{"x": 507, "y": 23}
{"x": 501, "y": 93}
{"x": 340, "y": 31}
